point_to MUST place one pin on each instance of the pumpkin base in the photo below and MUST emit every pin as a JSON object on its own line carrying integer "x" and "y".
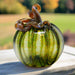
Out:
{"x": 42, "y": 67}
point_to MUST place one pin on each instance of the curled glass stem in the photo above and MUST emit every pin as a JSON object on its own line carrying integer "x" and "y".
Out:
{"x": 37, "y": 15}
{"x": 37, "y": 6}
{"x": 34, "y": 21}
{"x": 31, "y": 14}
{"x": 35, "y": 24}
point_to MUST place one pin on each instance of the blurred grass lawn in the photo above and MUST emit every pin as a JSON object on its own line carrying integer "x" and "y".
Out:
{"x": 7, "y": 30}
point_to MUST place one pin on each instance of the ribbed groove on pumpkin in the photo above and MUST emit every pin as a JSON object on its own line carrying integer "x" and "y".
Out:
{"x": 54, "y": 53}
{"x": 43, "y": 46}
{"x": 22, "y": 49}
{"x": 46, "y": 49}
{"x": 41, "y": 35}
{"x": 58, "y": 43}
{"x": 15, "y": 42}
{"x": 26, "y": 50}
{"x": 51, "y": 43}
{"x": 17, "y": 45}
{"x": 38, "y": 43}
{"x": 47, "y": 42}
{"x": 30, "y": 45}
{"x": 50, "y": 46}
{"x": 29, "y": 39}
{"x": 34, "y": 45}
{"x": 60, "y": 38}
{"x": 24, "y": 44}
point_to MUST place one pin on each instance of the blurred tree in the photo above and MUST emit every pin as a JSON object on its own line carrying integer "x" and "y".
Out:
{"x": 26, "y": 3}
{"x": 62, "y": 7}
{"x": 29, "y": 3}
{"x": 74, "y": 6}
{"x": 42, "y": 5}
{"x": 11, "y": 7}
{"x": 69, "y": 5}
{"x": 50, "y": 5}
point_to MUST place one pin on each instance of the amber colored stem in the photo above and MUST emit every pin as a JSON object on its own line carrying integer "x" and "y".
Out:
{"x": 37, "y": 15}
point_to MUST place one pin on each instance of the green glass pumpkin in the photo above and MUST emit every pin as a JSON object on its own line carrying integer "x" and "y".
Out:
{"x": 39, "y": 47}
{"x": 37, "y": 43}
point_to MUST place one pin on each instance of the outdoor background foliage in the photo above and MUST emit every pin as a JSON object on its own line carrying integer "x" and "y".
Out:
{"x": 21, "y": 6}
{"x": 59, "y": 12}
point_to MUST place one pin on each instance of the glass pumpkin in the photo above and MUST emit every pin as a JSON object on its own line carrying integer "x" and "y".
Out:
{"x": 37, "y": 43}
{"x": 39, "y": 47}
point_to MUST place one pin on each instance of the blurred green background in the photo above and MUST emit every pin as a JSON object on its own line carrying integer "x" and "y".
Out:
{"x": 59, "y": 12}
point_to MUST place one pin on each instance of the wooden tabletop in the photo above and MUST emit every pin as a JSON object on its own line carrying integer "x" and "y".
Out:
{"x": 10, "y": 65}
